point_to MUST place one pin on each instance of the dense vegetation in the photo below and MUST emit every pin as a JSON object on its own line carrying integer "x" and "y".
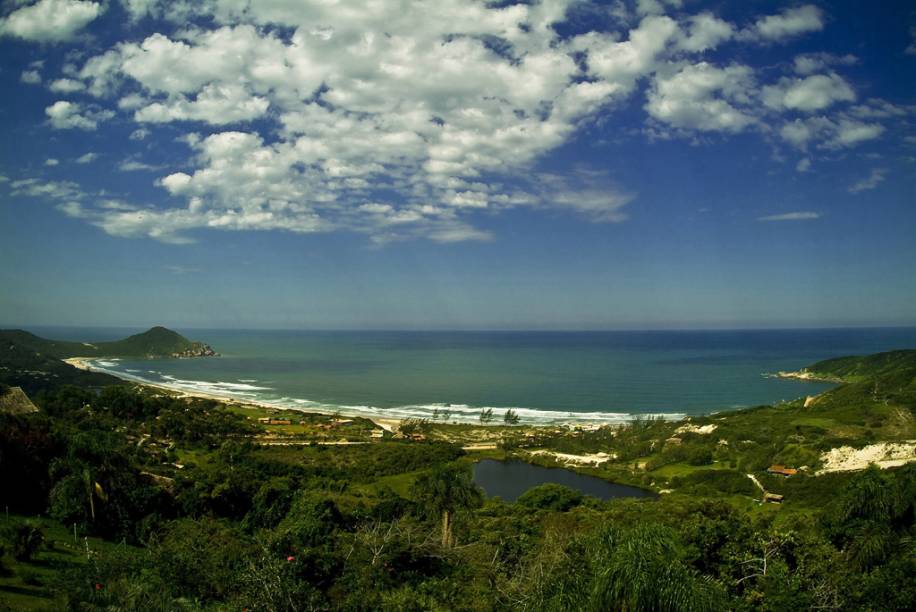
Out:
{"x": 860, "y": 367}
{"x": 155, "y": 342}
{"x": 119, "y": 498}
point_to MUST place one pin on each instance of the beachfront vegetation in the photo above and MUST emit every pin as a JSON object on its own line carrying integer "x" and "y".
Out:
{"x": 126, "y": 498}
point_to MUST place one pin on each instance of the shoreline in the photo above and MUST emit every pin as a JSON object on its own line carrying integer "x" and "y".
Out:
{"x": 388, "y": 423}
{"x": 806, "y": 376}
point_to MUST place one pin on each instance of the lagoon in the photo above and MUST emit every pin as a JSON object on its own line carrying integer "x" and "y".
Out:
{"x": 510, "y": 479}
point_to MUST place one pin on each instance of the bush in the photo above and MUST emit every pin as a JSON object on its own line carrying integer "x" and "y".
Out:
{"x": 551, "y": 496}
{"x": 24, "y": 540}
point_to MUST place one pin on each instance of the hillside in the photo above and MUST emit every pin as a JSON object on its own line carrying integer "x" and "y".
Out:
{"x": 155, "y": 342}
{"x": 23, "y": 366}
{"x": 857, "y": 368}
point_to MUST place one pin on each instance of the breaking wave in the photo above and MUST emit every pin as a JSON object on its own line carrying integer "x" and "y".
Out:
{"x": 460, "y": 413}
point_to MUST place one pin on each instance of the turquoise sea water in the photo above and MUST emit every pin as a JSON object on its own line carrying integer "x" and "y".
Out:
{"x": 545, "y": 376}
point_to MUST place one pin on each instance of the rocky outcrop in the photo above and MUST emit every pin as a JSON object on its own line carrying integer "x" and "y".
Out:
{"x": 199, "y": 349}
{"x": 15, "y": 401}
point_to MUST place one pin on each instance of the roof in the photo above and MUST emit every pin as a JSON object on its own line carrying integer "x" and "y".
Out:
{"x": 781, "y": 469}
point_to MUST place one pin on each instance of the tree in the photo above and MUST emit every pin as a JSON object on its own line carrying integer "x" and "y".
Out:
{"x": 511, "y": 417}
{"x": 445, "y": 490}
{"x": 486, "y": 415}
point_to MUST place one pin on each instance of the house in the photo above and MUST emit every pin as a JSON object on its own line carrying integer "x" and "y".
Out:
{"x": 274, "y": 421}
{"x": 772, "y": 498}
{"x": 781, "y": 470}
{"x": 673, "y": 441}
{"x": 377, "y": 433}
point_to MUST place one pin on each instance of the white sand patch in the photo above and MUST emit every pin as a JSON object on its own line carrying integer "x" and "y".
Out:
{"x": 697, "y": 429}
{"x": 594, "y": 459}
{"x": 884, "y": 455}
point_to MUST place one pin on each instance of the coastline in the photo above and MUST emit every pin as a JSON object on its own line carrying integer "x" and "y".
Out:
{"x": 388, "y": 423}
{"x": 808, "y": 377}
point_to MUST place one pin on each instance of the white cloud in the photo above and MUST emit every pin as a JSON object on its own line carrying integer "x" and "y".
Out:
{"x": 809, "y": 63}
{"x": 87, "y": 158}
{"x": 30, "y": 77}
{"x": 706, "y": 31}
{"x": 702, "y": 97}
{"x": 875, "y": 178}
{"x": 65, "y": 115}
{"x": 49, "y": 20}
{"x": 133, "y": 165}
{"x": 51, "y": 162}
{"x": 802, "y": 215}
{"x": 828, "y": 133}
{"x": 791, "y": 22}
{"x": 803, "y": 165}
{"x": 656, "y": 7}
{"x": 808, "y": 94}
{"x": 66, "y": 86}
{"x": 55, "y": 190}
{"x": 307, "y": 112}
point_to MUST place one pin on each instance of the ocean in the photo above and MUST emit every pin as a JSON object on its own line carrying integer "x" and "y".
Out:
{"x": 544, "y": 376}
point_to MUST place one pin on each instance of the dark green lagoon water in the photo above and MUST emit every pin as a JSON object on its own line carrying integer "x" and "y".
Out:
{"x": 545, "y": 376}
{"x": 510, "y": 479}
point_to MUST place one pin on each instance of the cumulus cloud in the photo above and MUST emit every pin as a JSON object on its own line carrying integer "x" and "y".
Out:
{"x": 49, "y": 20}
{"x": 875, "y": 178}
{"x": 66, "y": 86}
{"x": 705, "y": 31}
{"x": 702, "y": 97}
{"x": 87, "y": 158}
{"x": 791, "y": 22}
{"x": 313, "y": 117}
{"x": 30, "y": 77}
{"x": 65, "y": 115}
{"x": 802, "y": 215}
{"x": 51, "y": 162}
{"x": 808, "y": 94}
{"x": 827, "y": 133}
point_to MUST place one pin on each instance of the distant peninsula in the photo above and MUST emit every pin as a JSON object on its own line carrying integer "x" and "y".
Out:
{"x": 32, "y": 363}
{"x": 154, "y": 343}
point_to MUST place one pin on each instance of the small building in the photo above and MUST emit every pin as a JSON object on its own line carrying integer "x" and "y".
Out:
{"x": 772, "y": 498}
{"x": 781, "y": 470}
{"x": 377, "y": 433}
{"x": 417, "y": 437}
{"x": 673, "y": 441}
{"x": 274, "y": 421}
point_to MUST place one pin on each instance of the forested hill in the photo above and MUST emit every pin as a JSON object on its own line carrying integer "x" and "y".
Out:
{"x": 155, "y": 342}
{"x": 857, "y": 368}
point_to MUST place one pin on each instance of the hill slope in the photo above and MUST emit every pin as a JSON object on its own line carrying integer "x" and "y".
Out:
{"x": 857, "y": 368}
{"x": 155, "y": 342}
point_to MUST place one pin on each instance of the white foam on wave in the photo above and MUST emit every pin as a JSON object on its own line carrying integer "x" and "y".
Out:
{"x": 212, "y": 387}
{"x": 109, "y": 363}
{"x": 461, "y": 413}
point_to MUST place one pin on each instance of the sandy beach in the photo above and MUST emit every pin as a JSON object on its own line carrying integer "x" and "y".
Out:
{"x": 84, "y": 363}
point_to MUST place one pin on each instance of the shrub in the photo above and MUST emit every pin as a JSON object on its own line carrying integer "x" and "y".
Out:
{"x": 551, "y": 496}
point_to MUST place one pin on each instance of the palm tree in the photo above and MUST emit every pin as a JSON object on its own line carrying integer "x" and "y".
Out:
{"x": 640, "y": 569}
{"x": 444, "y": 490}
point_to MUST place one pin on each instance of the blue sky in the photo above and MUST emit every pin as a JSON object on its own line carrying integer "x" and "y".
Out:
{"x": 561, "y": 165}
